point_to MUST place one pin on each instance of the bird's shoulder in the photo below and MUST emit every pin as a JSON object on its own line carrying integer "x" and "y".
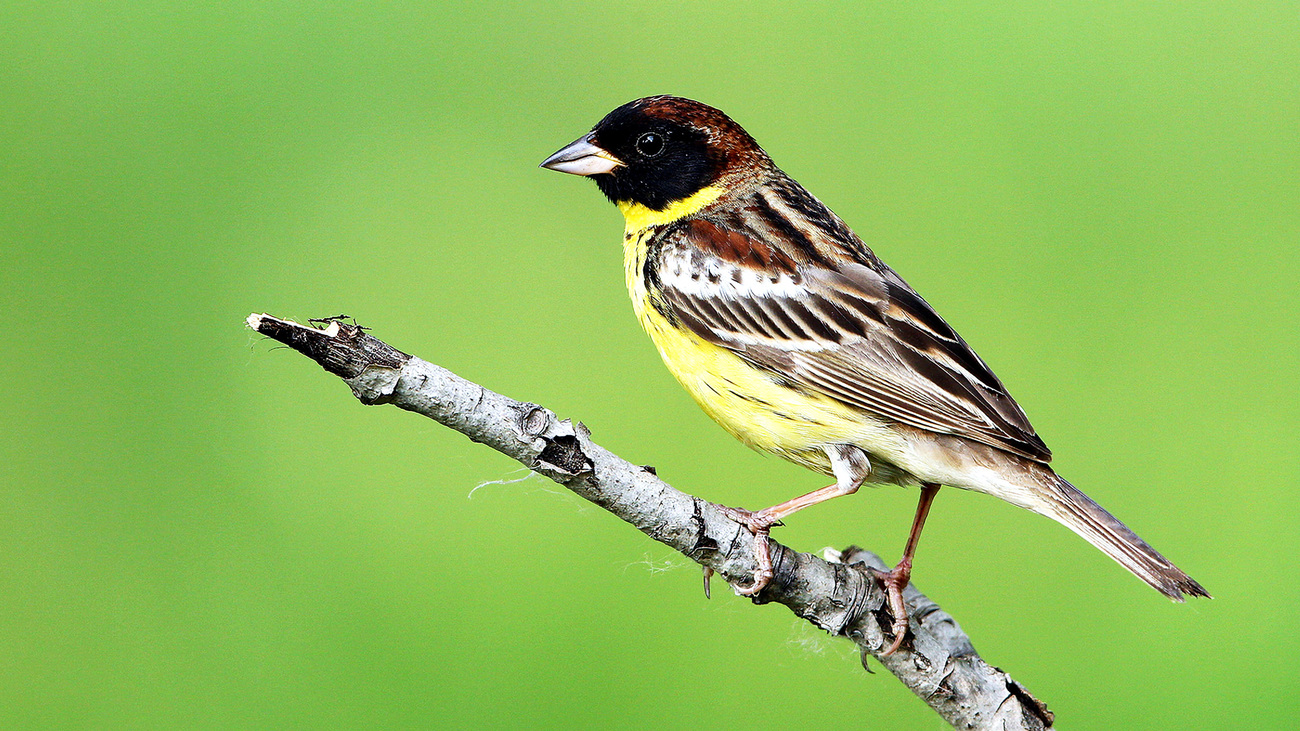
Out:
{"x": 772, "y": 224}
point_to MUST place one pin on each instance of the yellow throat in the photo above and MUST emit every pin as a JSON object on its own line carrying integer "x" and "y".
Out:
{"x": 639, "y": 218}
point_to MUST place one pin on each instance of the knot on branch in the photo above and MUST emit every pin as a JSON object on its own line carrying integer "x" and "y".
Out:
{"x": 561, "y": 456}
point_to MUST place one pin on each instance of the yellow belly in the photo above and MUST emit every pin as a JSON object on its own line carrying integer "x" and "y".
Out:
{"x": 744, "y": 400}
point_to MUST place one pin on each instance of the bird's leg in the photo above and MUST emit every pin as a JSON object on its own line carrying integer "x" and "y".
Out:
{"x": 895, "y": 580}
{"x": 850, "y": 467}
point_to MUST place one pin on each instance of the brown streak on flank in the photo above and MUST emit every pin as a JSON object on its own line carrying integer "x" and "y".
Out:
{"x": 738, "y": 248}
{"x": 748, "y": 397}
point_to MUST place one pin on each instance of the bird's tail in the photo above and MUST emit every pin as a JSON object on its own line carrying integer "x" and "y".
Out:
{"x": 1076, "y": 511}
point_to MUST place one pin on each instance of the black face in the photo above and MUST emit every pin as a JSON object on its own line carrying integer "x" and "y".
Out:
{"x": 663, "y": 161}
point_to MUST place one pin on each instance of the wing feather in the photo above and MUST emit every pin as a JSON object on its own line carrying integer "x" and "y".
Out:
{"x": 858, "y": 334}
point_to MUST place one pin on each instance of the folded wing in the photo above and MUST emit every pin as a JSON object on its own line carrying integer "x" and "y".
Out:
{"x": 856, "y": 333}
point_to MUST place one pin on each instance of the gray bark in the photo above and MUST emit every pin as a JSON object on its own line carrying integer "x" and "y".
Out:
{"x": 937, "y": 662}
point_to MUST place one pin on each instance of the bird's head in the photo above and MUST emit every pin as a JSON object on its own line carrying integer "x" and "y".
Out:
{"x": 655, "y": 153}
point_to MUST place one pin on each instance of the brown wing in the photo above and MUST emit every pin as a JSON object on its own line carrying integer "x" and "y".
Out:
{"x": 857, "y": 333}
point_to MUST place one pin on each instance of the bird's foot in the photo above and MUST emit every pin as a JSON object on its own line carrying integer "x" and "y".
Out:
{"x": 894, "y": 582}
{"x": 760, "y": 524}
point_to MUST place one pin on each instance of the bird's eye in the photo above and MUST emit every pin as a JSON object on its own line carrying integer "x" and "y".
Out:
{"x": 650, "y": 144}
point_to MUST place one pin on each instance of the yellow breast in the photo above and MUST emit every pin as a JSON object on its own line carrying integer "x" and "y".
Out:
{"x": 744, "y": 400}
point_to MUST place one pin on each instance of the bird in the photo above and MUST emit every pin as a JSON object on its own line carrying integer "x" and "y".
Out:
{"x": 789, "y": 331}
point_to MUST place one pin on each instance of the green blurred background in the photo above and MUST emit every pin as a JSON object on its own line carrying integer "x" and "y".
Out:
{"x": 202, "y": 531}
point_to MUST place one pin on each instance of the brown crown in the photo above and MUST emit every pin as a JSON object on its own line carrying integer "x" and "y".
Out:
{"x": 724, "y": 134}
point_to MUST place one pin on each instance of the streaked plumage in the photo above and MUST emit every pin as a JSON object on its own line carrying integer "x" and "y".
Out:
{"x": 792, "y": 334}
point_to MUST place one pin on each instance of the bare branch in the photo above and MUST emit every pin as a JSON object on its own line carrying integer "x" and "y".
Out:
{"x": 938, "y": 662}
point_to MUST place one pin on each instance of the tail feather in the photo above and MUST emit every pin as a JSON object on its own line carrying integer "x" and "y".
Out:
{"x": 1080, "y": 514}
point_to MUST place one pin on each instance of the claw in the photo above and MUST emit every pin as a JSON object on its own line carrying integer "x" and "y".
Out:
{"x": 894, "y": 582}
{"x": 763, "y": 555}
{"x": 760, "y": 524}
{"x": 754, "y": 520}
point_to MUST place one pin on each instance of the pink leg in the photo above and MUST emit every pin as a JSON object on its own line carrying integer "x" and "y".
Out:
{"x": 760, "y": 524}
{"x": 894, "y": 581}
{"x": 851, "y": 468}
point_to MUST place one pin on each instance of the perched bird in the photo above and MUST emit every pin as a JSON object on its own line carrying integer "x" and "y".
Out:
{"x": 789, "y": 331}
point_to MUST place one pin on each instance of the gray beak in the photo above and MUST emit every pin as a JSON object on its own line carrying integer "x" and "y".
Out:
{"x": 582, "y": 158}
